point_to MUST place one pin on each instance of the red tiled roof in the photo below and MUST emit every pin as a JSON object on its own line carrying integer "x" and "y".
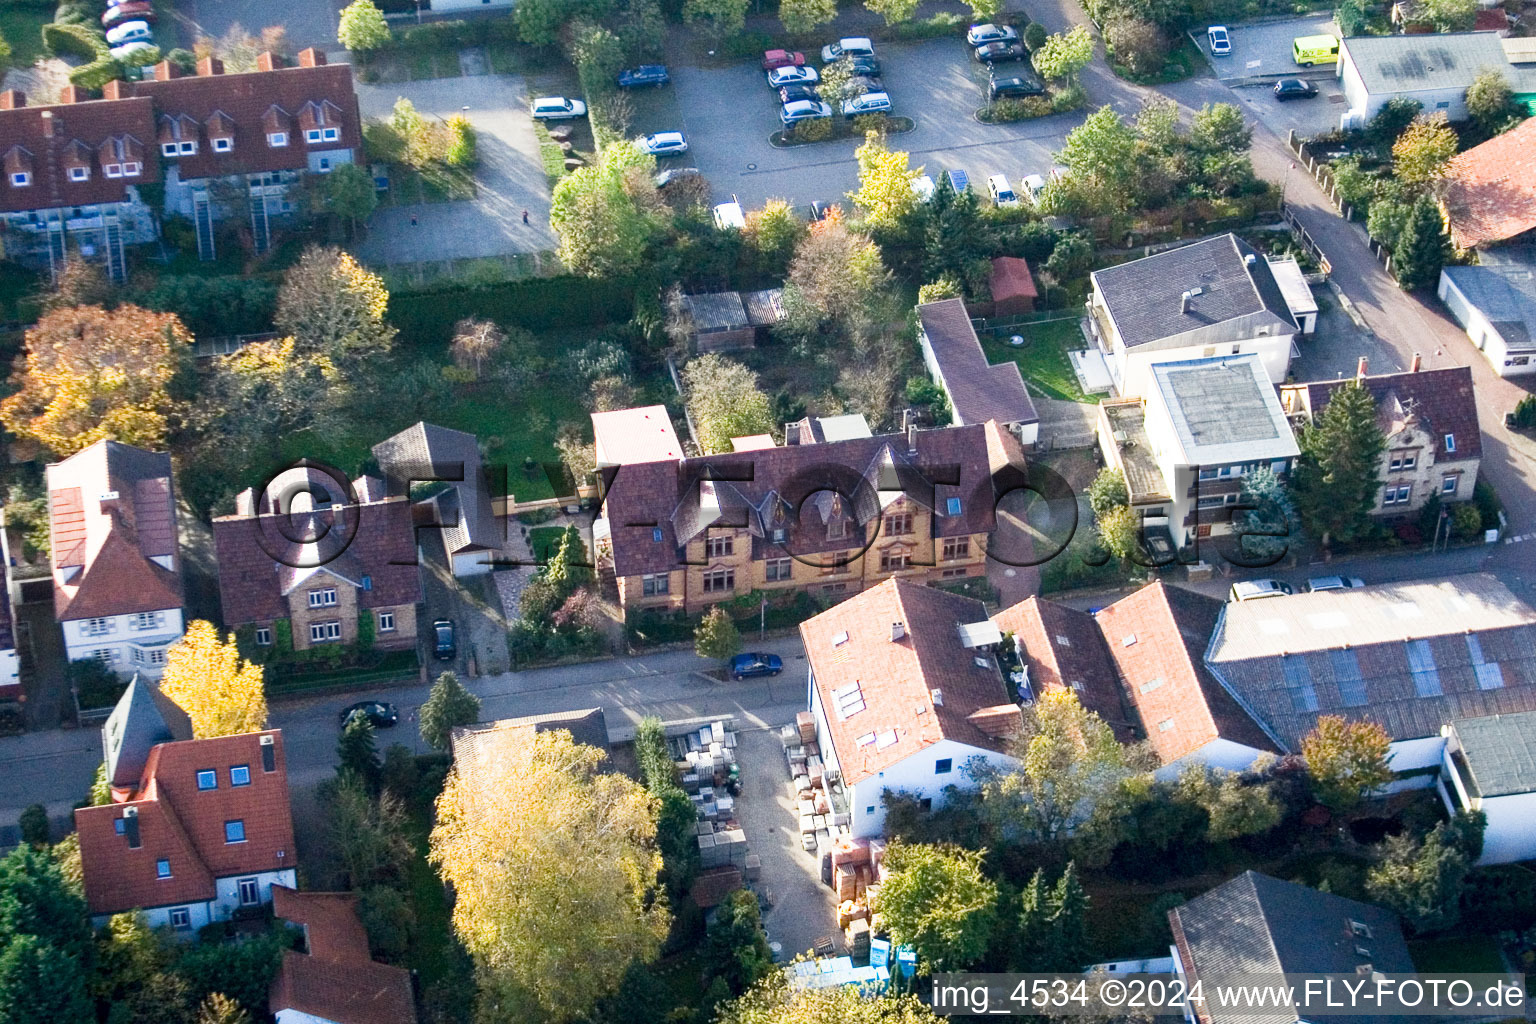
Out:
{"x": 1157, "y": 638}
{"x": 40, "y": 138}
{"x": 1443, "y": 399}
{"x": 343, "y": 991}
{"x": 245, "y": 100}
{"x": 897, "y": 677}
{"x": 251, "y": 580}
{"x": 185, "y": 825}
{"x": 330, "y": 921}
{"x": 1063, "y": 649}
{"x": 1011, "y": 279}
{"x": 1490, "y": 190}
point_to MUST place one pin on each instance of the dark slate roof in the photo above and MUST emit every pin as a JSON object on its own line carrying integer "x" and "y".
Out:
{"x": 1500, "y": 753}
{"x": 1415, "y": 63}
{"x": 253, "y": 583}
{"x": 143, "y": 718}
{"x": 717, "y": 311}
{"x": 1443, "y": 399}
{"x": 425, "y": 451}
{"x": 1505, "y": 293}
{"x": 654, "y": 508}
{"x": 977, "y": 390}
{"x": 1255, "y": 924}
{"x": 587, "y": 726}
{"x": 1144, "y": 295}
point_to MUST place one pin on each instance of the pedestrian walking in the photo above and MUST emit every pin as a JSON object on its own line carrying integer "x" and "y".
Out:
{"x": 413, "y": 221}
{"x": 525, "y": 216}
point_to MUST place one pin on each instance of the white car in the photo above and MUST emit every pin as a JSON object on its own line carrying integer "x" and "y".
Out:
{"x": 1318, "y": 584}
{"x": 662, "y": 143}
{"x": 780, "y": 77}
{"x": 129, "y": 32}
{"x": 1034, "y": 184}
{"x": 1002, "y": 193}
{"x": 979, "y": 35}
{"x": 130, "y": 52}
{"x": 1220, "y": 40}
{"x": 803, "y": 110}
{"x": 851, "y": 46}
{"x": 867, "y": 103}
{"x": 922, "y": 187}
{"x": 557, "y": 108}
{"x": 730, "y": 215}
{"x": 1253, "y": 590}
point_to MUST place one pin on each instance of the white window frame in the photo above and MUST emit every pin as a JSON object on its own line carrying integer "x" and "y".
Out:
{"x": 263, "y": 636}
{"x": 235, "y": 784}
{"x": 132, "y": 168}
{"x": 330, "y": 134}
{"x": 79, "y": 174}
{"x": 243, "y": 837}
{"x": 100, "y": 626}
{"x": 189, "y": 147}
{"x": 21, "y": 179}
{"x": 107, "y": 655}
{"x": 148, "y": 620}
{"x": 167, "y": 862}
{"x": 312, "y": 135}
{"x": 213, "y": 776}
{"x": 251, "y": 885}
{"x": 323, "y": 598}
{"x": 655, "y": 585}
{"x": 324, "y": 632}
{"x": 1450, "y": 483}
{"x": 113, "y": 170}
{"x": 1450, "y": 443}
{"x": 386, "y": 622}
{"x": 181, "y": 919}
{"x": 168, "y": 149}
{"x": 223, "y": 145}
{"x": 277, "y": 140}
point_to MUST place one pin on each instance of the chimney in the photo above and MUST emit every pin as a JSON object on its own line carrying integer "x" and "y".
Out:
{"x": 309, "y": 57}
{"x": 114, "y": 90}
{"x": 48, "y": 125}
{"x": 12, "y": 99}
{"x": 1249, "y": 260}
{"x": 1184, "y": 301}
{"x": 791, "y": 434}
{"x": 898, "y": 630}
{"x": 1360, "y": 369}
{"x": 911, "y": 438}
{"x": 131, "y": 827}
{"x": 165, "y": 71}
{"x": 1418, "y": 360}
{"x": 998, "y": 721}
{"x": 266, "y": 60}
{"x": 73, "y": 94}
{"x": 210, "y": 66}
{"x": 268, "y": 754}
{"x": 108, "y": 501}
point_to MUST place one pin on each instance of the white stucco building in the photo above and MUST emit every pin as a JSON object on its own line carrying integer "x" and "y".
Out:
{"x": 1495, "y": 303}
{"x": 1432, "y": 69}
{"x": 1489, "y": 765}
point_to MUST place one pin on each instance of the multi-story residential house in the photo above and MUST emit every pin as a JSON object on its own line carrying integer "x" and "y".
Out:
{"x": 904, "y": 690}
{"x": 1213, "y": 298}
{"x": 198, "y": 830}
{"x": 1185, "y": 448}
{"x": 462, "y": 509}
{"x": 116, "y": 569}
{"x": 1429, "y": 417}
{"x": 314, "y": 558}
{"x": 222, "y": 145}
{"x": 829, "y": 518}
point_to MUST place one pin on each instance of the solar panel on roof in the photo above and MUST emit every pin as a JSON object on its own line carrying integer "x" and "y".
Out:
{"x": 1303, "y": 693}
{"x": 1421, "y": 663}
{"x": 1346, "y": 672}
{"x": 885, "y": 739}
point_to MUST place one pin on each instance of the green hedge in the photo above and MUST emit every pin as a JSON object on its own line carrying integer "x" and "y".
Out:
{"x": 537, "y": 303}
{"x": 74, "y": 40}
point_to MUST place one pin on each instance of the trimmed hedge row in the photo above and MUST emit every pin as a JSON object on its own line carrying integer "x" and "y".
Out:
{"x": 86, "y": 42}
{"x": 535, "y": 303}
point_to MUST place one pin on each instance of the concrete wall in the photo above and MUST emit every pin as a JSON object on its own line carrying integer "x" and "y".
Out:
{"x": 1274, "y": 351}
{"x": 198, "y": 915}
{"x": 1511, "y": 833}
{"x": 914, "y": 774}
{"x": 1483, "y": 334}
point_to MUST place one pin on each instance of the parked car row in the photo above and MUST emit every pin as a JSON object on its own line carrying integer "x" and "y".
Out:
{"x": 796, "y": 84}
{"x": 128, "y": 31}
{"x": 1254, "y": 590}
{"x": 1305, "y": 51}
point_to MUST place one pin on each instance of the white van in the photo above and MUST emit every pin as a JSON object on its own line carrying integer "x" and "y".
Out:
{"x": 1002, "y": 193}
{"x": 1253, "y": 590}
{"x": 729, "y": 215}
{"x": 129, "y": 32}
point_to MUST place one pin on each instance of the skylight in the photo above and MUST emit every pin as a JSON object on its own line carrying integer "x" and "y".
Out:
{"x": 838, "y": 639}
{"x": 849, "y": 699}
{"x": 1421, "y": 662}
{"x": 885, "y": 739}
{"x": 866, "y": 739}
{"x": 1128, "y": 640}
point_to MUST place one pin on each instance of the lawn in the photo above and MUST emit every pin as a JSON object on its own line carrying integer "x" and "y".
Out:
{"x": 1474, "y": 954}
{"x": 22, "y": 27}
{"x": 545, "y": 541}
{"x": 1042, "y": 358}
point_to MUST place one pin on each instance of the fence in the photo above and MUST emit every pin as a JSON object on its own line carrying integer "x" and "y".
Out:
{"x": 207, "y": 348}
{"x": 1304, "y": 237}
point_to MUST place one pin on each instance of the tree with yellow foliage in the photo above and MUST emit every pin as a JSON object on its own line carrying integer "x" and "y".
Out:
{"x": 92, "y": 374}
{"x": 221, "y": 693}
{"x": 334, "y": 307}
{"x": 885, "y": 183}
{"x": 555, "y": 866}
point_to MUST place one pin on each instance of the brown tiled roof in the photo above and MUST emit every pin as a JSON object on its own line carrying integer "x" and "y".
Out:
{"x": 185, "y": 825}
{"x": 1157, "y": 639}
{"x": 1490, "y": 190}
{"x": 897, "y": 677}
{"x": 36, "y": 140}
{"x": 251, "y": 581}
{"x": 113, "y": 540}
{"x": 331, "y": 925}
{"x": 1444, "y": 399}
{"x": 978, "y": 390}
{"x": 342, "y": 991}
{"x": 655, "y": 507}
{"x": 1063, "y": 648}
{"x": 1011, "y": 278}
{"x": 245, "y": 99}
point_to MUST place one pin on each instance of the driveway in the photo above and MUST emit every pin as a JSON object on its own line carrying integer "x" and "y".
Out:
{"x": 728, "y": 114}
{"x": 510, "y": 178}
{"x": 803, "y": 908}
{"x": 1264, "y": 48}
{"x": 306, "y": 22}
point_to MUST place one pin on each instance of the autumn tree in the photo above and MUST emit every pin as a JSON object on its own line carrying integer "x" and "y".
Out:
{"x": 771, "y": 236}
{"x": 220, "y": 1009}
{"x": 1450, "y": 15}
{"x": 716, "y": 637}
{"x": 334, "y": 307}
{"x": 605, "y": 214}
{"x": 78, "y": 283}
{"x": 222, "y": 693}
{"x": 937, "y": 900}
{"x": 774, "y": 1001}
{"x": 1067, "y": 762}
{"x": 1119, "y": 532}
{"x": 448, "y": 705}
{"x": 835, "y": 280}
{"x": 885, "y": 193}
{"x": 1346, "y": 760}
{"x": 717, "y": 19}
{"x": 1420, "y": 154}
{"x": 801, "y": 17}
{"x": 984, "y": 10}
{"x": 1491, "y": 103}
{"x": 475, "y": 341}
{"x": 725, "y": 401}
{"x": 1422, "y": 880}
{"x": 893, "y": 11}
{"x": 361, "y": 27}
{"x": 1107, "y": 491}
{"x": 1064, "y": 55}
{"x": 1234, "y": 806}
{"x": 134, "y": 978}
{"x": 1334, "y": 484}
{"x": 1100, "y": 155}
{"x": 561, "y": 860}
{"x": 92, "y": 374}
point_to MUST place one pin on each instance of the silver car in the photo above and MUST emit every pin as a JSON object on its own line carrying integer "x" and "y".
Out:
{"x": 780, "y": 77}
{"x": 803, "y": 110}
{"x": 663, "y": 143}
{"x": 1317, "y": 584}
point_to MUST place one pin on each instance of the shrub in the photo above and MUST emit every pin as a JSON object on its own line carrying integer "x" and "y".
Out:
{"x": 944, "y": 23}
{"x": 746, "y": 44}
{"x": 1070, "y": 98}
{"x": 1467, "y": 521}
{"x": 1034, "y": 36}
{"x": 817, "y": 129}
{"x": 461, "y": 150}
{"x": 866, "y": 123}
{"x": 1138, "y": 44}
{"x": 66, "y": 40}
{"x": 1003, "y": 111}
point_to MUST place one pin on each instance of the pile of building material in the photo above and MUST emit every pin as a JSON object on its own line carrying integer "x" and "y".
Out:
{"x": 706, "y": 761}
{"x": 820, "y": 822}
{"x": 705, "y": 758}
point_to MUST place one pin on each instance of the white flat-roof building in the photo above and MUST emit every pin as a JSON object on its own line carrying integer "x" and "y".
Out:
{"x": 626, "y": 436}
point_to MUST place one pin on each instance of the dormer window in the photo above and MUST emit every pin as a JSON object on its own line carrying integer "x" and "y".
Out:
{"x": 132, "y": 169}
{"x": 113, "y": 170}
{"x": 277, "y": 140}
{"x": 223, "y": 145}
{"x": 1450, "y": 442}
{"x": 330, "y": 134}
{"x": 79, "y": 174}
{"x": 167, "y": 149}
{"x": 188, "y": 148}
{"x": 21, "y": 179}
{"x": 312, "y": 136}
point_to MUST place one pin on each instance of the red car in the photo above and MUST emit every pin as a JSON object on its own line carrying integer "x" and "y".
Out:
{"x": 134, "y": 10}
{"x": 782, "y": 59}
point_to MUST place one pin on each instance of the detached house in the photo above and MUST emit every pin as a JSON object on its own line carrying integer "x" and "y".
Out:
{"x": 116, "y": 568}
{"x": 197, "y": 830}
{"x": 831, "y": 517}
{"x": 904, "y": 691}
{"x": 461, "y": 511}
{"x": 308, "y": 558}
{"x": 978, "y": 391}
{"x": 1213, "y": 298}
{"x": 334, "y": 979}
{"x": 1429, "y": 417}
{"x": 1489, "y": 192}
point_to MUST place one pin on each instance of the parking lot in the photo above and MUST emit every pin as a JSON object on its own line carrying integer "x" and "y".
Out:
{"x": 729, "y": 113}
{"x": 1265, "y": 48}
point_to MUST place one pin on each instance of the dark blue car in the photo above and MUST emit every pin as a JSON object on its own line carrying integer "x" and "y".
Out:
{"x": 645, "y": 74}
{"x": 756, "y": 664}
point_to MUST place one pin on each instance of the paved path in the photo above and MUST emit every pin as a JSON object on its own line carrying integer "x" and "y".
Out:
{"x": 510, "y": 178}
